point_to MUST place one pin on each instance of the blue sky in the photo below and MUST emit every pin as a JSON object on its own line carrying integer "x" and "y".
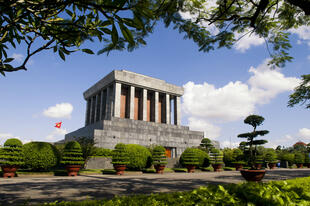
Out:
{"x": 221, "y": 88}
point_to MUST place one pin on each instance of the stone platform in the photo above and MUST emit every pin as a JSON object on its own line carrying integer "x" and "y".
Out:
{"x": 107, "y": 133}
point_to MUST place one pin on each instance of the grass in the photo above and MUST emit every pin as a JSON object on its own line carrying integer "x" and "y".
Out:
{"x": 179, "y": 169}
{"x": 229, "y": 169}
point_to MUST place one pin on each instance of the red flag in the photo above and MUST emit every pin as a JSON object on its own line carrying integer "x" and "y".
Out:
{"x": 58, "y": 124}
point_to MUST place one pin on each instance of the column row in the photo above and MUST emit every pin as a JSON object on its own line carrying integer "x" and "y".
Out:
{"x": 99, "y": 106}
{"x": 125, "y": 101}
{"x": 147, "y": 105}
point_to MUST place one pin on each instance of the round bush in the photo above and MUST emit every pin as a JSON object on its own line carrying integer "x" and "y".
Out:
{"x": 72, "y": 154}
{"x": 216, "y": 156}
{"x": 139, "y": 157}
{"x": 203, "y": 157}
{"x": 189, "y": 157}
{"x": 13, "y": 142}
{"x": 11, "y": 153}
{"x": 299, "y": 158}
{"x": 40, "y": 156}
{"x": 159, "y": 156}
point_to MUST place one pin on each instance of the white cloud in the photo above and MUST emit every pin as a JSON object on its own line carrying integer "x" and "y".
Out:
{"x": 204, "y": 104}
{"x": 247, "y": 41}
{"x": 57, "y": 134}
{"x": 6, "y": 136}
{"x": 62, "y": 110}
{"x": 289, "y": 140}
{"x": 210, "y": 131}
{"x": 303, "y": 32}
{"x": 18, "y": 57}
{"x": 308, "y": 57}
{"x": 304, "y": 133}
{"x": 266, "y": 83}
{"x": 229, "y": 144}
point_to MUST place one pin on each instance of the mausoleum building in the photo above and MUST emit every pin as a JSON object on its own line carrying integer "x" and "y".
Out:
{"x": 136, "y": 109}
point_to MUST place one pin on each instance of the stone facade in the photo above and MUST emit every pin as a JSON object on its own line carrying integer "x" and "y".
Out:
{"x": 136, "y": 109}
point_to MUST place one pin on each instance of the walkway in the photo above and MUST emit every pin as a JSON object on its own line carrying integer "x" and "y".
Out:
{"x": 47, "y": 189}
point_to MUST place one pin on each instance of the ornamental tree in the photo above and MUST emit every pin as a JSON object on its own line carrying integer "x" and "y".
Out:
{"x": 206, "y": 144}
{"x": 159, "y": 155}
{"x": 72, "y": 154}
{"x": 254, "y": 121}
{"x": 11, "y": 154}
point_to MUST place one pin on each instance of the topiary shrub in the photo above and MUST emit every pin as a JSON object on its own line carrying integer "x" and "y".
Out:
{"x": 189, "y": 157}
{"x": 271, "y": 156}
{"x": 159, "y": 156}
{"x": 203, "y": 158}
{"x": 11, "y": 154}
{"x": 120, "y": 155}
{"x": 216, "y": 156}
{"x": 40, "y": 156}
{"x": 72, "y": 154}
{"x": 139, "y": 157}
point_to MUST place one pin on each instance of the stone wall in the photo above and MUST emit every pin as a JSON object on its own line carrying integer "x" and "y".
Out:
{"x": 105, "y": 163}
{"x": 139, "y": 132}
{"x": 99, "y": 163}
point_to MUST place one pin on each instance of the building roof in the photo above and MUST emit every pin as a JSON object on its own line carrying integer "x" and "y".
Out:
{"x": 299, "y": 143}
{"x": 134, "y": 79}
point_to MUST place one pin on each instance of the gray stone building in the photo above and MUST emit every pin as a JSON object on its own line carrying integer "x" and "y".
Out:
{"x": 136, "y": 109}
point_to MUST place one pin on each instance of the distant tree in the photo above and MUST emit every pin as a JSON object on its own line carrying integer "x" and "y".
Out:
{"x": 300, "y": 147}
{"x": 278, "y": 148}
{"x": 63, "y": 26}
{"x": 206, "y": 144}
{"x": 254, "y": 121}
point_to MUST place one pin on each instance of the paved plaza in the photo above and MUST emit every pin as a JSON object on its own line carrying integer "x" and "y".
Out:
{"x": 37, "y": 189}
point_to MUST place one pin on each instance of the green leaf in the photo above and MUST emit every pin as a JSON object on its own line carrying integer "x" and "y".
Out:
{"x": 61, "y": 54}
{"x": 88, "y": 51}
{"x": 69, "y": 12}
{"x": 8, "y": 60}
{"x": 2, "y": 72}
{"x": 127, "y": 34}
{"x": 114, "y": 35}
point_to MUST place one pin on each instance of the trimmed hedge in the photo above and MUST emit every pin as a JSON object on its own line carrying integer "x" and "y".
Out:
{"x": 120, "y": 155}
{"x": 72, "y": 154}
{"x": 40, "y": 156}
{"x": 11, "y": 153}
{"x": 203, "y": 157}
{"x": 189, "y": 157}
{"x": 290, "y": 192}
{"x": 159, "y": 156}
{"x": 139, "y": 157}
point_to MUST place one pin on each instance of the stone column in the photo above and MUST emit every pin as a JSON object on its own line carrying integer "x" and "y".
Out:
{"x": 117, "y": 99}
{"x": 177, "y": 110}
{"x": 87, "y": 112}
{"x": 108, "y": 104}
{"x": 92, "y": 110}
{"x": 144, "y": 108}
{"x": 101, "y": 105}
{"x": 156, "y": 106}
{"x": 168, "y": 109}
{"x": 96, "y": 107}
{"x": 132, "y": 102}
